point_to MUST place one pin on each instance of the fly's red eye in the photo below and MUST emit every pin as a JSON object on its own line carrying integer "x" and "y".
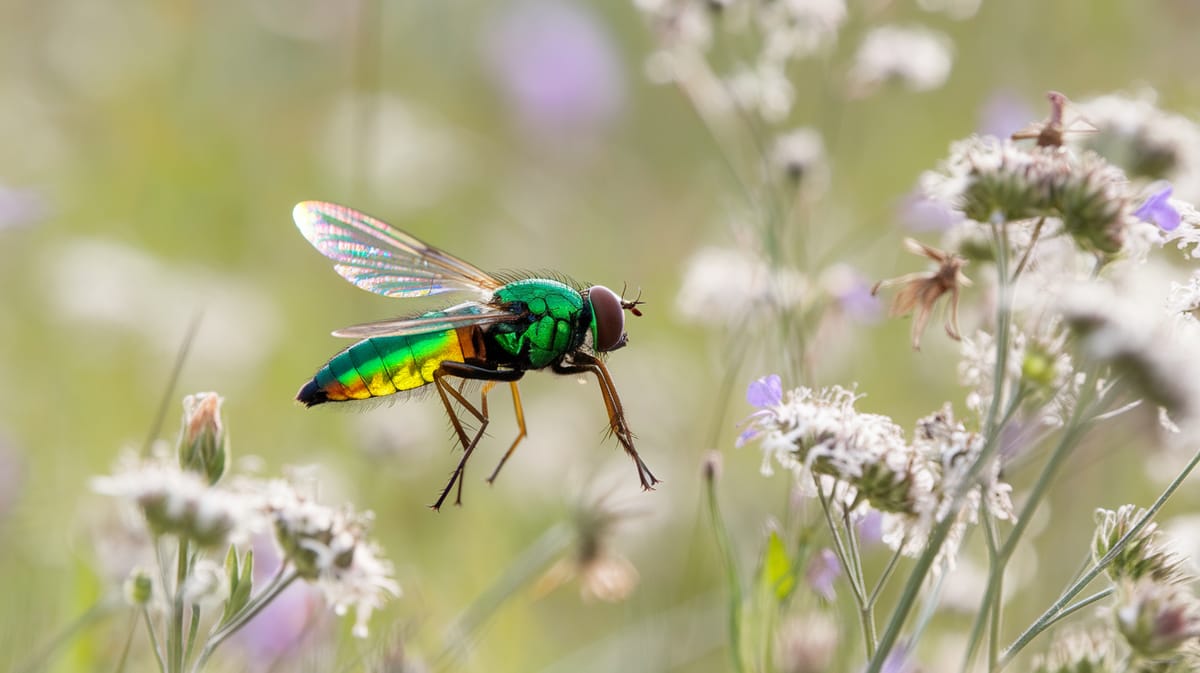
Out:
{"x": 608, "y": 319}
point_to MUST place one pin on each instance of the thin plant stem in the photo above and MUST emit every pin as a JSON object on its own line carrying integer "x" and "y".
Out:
{"x": 884, "y": 577}
{"x": 124, "y": 660}
{"x": 175, "y": 631}
{"x": 1033, "y": 240}
{"x": 866, "y": 610}
{"x": 1054, "y": 611}
{"x": 193, "y": 629}
{"x": 732, "y": 576}
{"x": 937, "y": 537}
{"x": 281, "y": 582}
{"x": 839, "y": 546}
{"x": 160, "y": 416}
{"x": 154, "y": 644}
{"x": 1082, "y": 603}
{"x": 993, "y": 538}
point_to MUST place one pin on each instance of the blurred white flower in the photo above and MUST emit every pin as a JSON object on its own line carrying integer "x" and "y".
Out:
{"x": 958, "y": 10}
{"x": 1146, "y": 141}
{"x": 107, "y": 283}
{"x": 806, "y": 643}
{"x": 917, "y": 58}
{"x": 724, "y": 286}
{"x": 179, "y": 503}
{"x": 799, "y": 154}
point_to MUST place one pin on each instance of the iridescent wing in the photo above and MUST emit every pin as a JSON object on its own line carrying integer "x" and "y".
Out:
{"x": 462, "y": 315}
{"x": 380, "y": 259}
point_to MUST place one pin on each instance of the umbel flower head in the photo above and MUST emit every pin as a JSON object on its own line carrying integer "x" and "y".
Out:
{"x": 178, "y": 502}
{"x": 863, "y": 461}
{"x": 329, "y": 548}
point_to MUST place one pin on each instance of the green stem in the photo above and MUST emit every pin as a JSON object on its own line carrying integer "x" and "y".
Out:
{"x": 154, "y": 644}
{"x": 281, "y": 582}
{"x": 732, "y": 576}
{"x": 175, "y": 632}
{"x": 937, "y": 536}
{"x": 884, "y": 577}
{"x": 193, "y": 629}
{"x": 996, "y": 591}
{"x": 1055, "y": 611}
{"x": 839, "y": 546}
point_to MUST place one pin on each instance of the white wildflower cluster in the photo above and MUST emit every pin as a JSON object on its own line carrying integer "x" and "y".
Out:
{"x": 919, "y": 59}
{"x": 181, "y": 503}
{"x": 729, "y": 287}
{"x": 1092, "y": 650}
{"x": 863, "y": 460}
{"x": 1148, "y": 142}
{"x": 329, "y": 547}
{"x": 1038, "y": 362}
{"x": 1151, "y": 350}
{"x": 322, "y": 545}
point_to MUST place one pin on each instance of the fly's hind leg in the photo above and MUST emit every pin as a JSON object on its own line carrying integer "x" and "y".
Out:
{"x": 521, "y": 433}
{"x": 446, "y": 391}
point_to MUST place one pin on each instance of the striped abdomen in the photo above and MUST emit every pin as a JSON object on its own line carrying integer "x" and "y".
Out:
{"x": 385, "y": 365}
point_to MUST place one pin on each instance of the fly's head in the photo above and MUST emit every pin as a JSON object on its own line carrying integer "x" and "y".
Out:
{"x": 608, "y": 317}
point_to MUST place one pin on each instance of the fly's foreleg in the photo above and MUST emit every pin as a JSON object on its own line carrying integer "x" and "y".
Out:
{"x": 616, "y": 413}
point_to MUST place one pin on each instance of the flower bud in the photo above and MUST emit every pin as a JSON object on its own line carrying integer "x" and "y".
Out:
{"x": 202, "y": 440}
{"x": 139, "y": 588}
{"x": 1157, "y": 619}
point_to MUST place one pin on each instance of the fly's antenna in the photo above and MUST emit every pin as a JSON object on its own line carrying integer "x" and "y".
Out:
{"x": 631, "y": 306}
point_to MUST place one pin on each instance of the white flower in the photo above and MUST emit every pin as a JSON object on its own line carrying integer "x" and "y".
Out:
{"x": 800, "y": 155}
{"x": 1147, "y": 141}
{"x": 175, "y": 502}
{"x": 329, "y": 548}
{"x": 727, "y": 286}
{"x": 918, "y": 58}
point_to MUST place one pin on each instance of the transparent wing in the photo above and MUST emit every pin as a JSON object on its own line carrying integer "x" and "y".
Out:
{"x": 380, "y": 259}
{"x": 469, "y": 313}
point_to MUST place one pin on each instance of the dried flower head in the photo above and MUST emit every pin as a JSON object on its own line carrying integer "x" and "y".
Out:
{"x": 602, "y": 573}
{"x": 1156, "y": 619}
{"x": 1052, "y": 131}
{"x": 1144, "y": 556}
{"x": 921, "y": 290}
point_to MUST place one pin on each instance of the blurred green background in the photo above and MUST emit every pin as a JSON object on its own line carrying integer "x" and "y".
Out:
{"x": 150, "y": 155}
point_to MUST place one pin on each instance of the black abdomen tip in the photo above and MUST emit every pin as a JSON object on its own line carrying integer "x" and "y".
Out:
{"x": 311, "y": 394}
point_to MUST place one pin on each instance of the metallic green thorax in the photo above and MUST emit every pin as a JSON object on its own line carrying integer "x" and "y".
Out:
{"x": 558, "y": 323}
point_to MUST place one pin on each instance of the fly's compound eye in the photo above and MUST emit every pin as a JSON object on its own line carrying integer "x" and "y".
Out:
{"x": 608, "y": 318}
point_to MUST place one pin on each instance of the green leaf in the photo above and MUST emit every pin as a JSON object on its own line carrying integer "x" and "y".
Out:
{"x": 240, "y": 583}
{"x": 775, "y": 572}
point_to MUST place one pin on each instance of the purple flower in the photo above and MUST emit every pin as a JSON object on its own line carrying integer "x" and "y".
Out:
{"x": 1158, "y": 209}
{"x": 21, "y": 207}
{"x": 1004, "y": 113}
{"x": 870, "y": 528}
{"x": 823, "y": 569}
{"x": 556, "y": 67}
{"x": 919, "y": 213}
{"x": 765, "y": 392}
{"x": 287, "y": 623}
{"x": 857, "y": 302}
